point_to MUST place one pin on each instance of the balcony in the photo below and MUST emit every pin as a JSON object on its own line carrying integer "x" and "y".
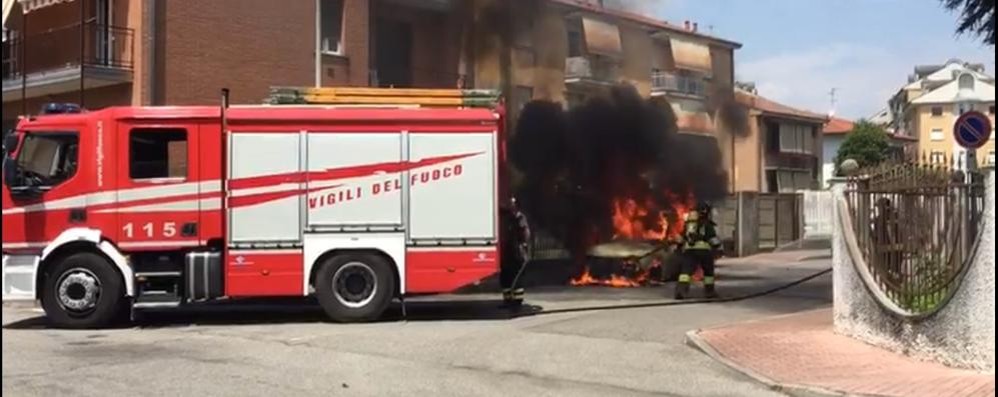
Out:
{"x": 591, "y": 71}
{"x": 672, "y": 84}
{"x": 52, "y": 60}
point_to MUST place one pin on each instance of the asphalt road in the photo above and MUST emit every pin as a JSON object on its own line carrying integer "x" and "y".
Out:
{"x": 460, "y": 346}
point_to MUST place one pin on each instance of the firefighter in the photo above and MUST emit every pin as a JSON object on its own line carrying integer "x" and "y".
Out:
{"x": 701, "y": 246}
{"x": 515, "y": 252}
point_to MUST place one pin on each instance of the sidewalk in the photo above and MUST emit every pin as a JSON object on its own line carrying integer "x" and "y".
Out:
{"x": 800, "y": 355}
{"x": 778, "y": 258}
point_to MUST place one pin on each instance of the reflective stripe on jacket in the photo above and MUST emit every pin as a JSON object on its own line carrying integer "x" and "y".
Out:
{"x": 700, "y": 235}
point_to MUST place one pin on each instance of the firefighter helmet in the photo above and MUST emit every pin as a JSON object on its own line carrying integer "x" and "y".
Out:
{"x": 704, "y": 209}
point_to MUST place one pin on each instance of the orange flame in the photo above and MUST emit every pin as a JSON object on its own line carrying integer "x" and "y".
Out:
{"x": 616, "y": 281}
{"x": 630, "y": 221}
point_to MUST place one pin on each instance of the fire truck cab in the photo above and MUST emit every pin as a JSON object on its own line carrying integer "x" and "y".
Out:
{"x": 135, "y": 208}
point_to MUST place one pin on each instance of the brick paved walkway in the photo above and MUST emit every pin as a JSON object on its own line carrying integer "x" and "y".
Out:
{"x": 800, "y": 352}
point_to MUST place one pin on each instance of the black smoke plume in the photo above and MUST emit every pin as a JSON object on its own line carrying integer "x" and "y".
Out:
{"x": 576, "y": 163}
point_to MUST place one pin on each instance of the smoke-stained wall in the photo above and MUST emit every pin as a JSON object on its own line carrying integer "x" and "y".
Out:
{"x": 550, "y": 43}
{"x": 636, "y": 65}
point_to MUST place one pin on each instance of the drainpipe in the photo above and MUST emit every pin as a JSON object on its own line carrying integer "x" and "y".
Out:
{"x": 24, "y": 64}
{"x": 83, "y": 50}
{"x": 149, "y": 33}
{"x": 506, "y": 58}
{"x": 318, "y": 44}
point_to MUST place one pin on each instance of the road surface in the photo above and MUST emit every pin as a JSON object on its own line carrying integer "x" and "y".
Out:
{"x": 463, "y": 346}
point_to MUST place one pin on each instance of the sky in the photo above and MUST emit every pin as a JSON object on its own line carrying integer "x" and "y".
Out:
{"x": 797, "y": 51}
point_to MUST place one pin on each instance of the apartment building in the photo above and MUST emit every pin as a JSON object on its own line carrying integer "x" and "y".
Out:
{"x": 935, "y": 96}
{"x": 782, "y": 151}
{"x": 182, "y": 52}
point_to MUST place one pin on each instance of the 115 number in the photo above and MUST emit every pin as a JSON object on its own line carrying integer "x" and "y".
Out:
{"x": 150, "y": 230}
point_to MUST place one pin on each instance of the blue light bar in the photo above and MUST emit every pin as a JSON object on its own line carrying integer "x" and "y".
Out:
{"x": 61, "y": 108}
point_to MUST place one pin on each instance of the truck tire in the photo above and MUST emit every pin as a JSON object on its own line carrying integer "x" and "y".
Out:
{"x": 83, "y": 291}
{"x": 355, "y": 287}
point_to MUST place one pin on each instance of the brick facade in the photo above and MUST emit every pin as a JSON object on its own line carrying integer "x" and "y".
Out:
{"x": 243, "y": 45}
{"x": 351, "y": 69}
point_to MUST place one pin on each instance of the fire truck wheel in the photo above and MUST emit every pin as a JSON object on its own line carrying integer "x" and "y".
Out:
{"x": 82, "y": 291}
{"x": 355, "y": 287}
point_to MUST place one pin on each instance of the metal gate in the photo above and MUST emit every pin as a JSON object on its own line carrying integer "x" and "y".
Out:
{"x": 779, "y": 220}
{"x": 817, "y": 211}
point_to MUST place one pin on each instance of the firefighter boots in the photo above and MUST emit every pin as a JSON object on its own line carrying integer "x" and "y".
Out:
{"x": 710, "y": 292}
{"x": 512, "y": 297}
{"x": 682, "y": 291}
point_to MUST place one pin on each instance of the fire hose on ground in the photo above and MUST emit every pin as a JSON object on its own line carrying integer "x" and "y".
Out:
{"x": 635, "y": 251}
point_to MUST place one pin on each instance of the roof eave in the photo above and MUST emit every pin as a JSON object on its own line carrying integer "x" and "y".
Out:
{"x": 798, "y": 117}
{"x": 647, "y": 22}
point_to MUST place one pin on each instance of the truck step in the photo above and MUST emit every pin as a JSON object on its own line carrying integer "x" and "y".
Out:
{"x": 157, "y": 274}
{"x": 155, "y": 305}
{"x": 156, "y": 298}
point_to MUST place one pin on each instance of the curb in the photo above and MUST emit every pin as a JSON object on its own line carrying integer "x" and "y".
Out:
{"x": 820, "y": 257}
{"x": 694, "y": 340}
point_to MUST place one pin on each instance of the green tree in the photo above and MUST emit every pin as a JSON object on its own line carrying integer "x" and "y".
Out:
{"x": 868, "y": 144}
{"x": 976, "y": 17}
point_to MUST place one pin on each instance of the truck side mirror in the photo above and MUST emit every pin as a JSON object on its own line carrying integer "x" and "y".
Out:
{"x": 10, "y": 143}
{"x": 9, "y": 171}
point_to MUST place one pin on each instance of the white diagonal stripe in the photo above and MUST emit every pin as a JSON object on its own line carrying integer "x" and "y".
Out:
{"x": 122, "y": 197}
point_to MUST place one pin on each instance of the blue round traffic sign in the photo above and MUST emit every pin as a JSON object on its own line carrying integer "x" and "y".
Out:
{"x": 972, "y": 130}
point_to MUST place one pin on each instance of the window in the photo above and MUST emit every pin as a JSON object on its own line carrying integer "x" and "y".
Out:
{"x": 691, "y": 83}
{"x": 937, "y": 157}
{"x": 158, "y": 154}
{"x": 802, "y": 181}
{"x": 963, "y": 108}
{"x": 991, "y": 110}
{"x": 808, "y": 139}
{"x": 937, "y": 135}
{"x": 331, "y": 26}
{"x": 937, "y": 111}
{"x": 773, "y": 137}
{"x": 51, "y": 158}
{"x": 789, "y": 180}
{"x": 575, "y": 43}
{"x": 522, "y": 95}
{"x": 966, "y": 82}
{"x": 785, "y": 181}
{"x": 796, "y": 139}
{"x": 991, "y": 157}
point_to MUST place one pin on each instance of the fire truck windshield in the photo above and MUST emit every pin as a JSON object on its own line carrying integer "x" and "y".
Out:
{"x": 45, "y": 159}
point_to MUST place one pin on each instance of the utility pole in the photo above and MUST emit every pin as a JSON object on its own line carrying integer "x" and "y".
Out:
{"x": 83, "y": 51}
{"x": 833, "y": 99}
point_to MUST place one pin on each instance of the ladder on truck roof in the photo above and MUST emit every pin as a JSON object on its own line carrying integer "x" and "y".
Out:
{"x": 383, "y": 97}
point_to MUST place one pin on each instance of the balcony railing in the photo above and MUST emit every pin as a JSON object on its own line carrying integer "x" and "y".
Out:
{"x": 103, "y": 46}
{"x": 673, "y": 83}
{"x": 591, "y": 68}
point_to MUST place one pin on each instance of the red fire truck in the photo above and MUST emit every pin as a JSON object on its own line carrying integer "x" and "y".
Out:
{"x": 136, "y": 208}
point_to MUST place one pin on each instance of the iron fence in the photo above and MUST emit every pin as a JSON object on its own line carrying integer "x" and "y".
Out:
{"x": 104, "y": 46}
{"x": 916, "y": 225}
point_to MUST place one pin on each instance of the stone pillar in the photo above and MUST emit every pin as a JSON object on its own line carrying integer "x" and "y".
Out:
{"x": 842, "y": 282}
{"x": 747, "y": 229}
